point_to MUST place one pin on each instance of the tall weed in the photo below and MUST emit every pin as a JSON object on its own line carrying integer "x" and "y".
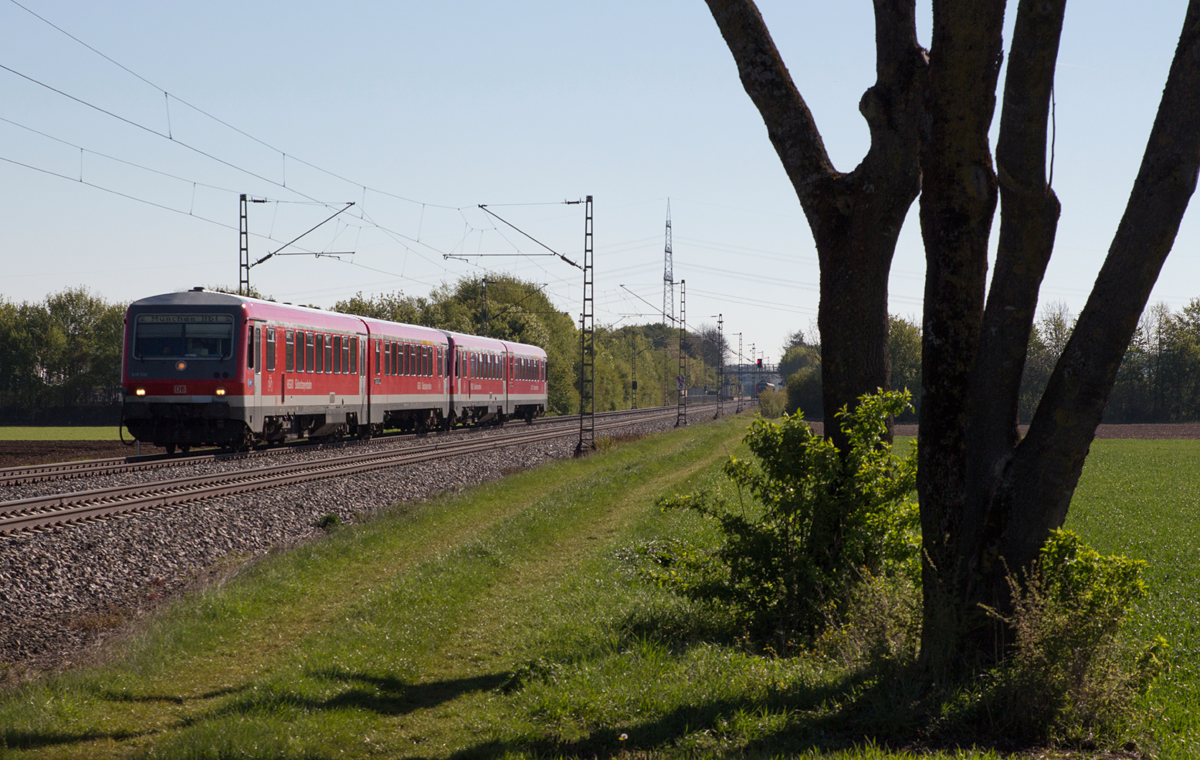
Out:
{"x": 1071, "y": 676}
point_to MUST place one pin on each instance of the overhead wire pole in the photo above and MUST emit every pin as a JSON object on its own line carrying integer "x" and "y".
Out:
{"x": 741, "y": 384}
{"x": 244, "y": 246}
{"x": 587, "y": 364}
{"x": 681, "y": 379}
{"x": 720, "y": 360}
{"x": 244, "y": 236}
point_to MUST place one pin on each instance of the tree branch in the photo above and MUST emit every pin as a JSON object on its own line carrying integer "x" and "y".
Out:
{"x": 1050, "y": 458}
{"x": 1029, "y": 213}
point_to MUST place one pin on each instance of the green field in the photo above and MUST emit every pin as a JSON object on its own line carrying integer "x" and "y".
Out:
{"x": 108, "y": 433}
{"x": 510, "y": 621}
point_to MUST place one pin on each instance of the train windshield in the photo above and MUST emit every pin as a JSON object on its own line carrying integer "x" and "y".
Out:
{"x": 179, "y": 336}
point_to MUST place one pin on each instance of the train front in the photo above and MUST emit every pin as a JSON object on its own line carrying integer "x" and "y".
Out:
{"x": 182, "y": 381}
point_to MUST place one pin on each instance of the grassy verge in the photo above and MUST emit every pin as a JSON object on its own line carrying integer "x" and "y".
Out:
{"x": 510, "y": 621}
{"x": 106, "y": 433}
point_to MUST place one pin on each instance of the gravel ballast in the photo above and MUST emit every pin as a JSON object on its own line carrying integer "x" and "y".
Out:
{"x": 65, "y": 591}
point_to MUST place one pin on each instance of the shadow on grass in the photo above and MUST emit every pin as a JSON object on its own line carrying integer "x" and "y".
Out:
{"x": 378, "y": 694}
{"x": 11, "y": 738}
{"x": 888, "y": 708}
{"x": 112, "y": 696}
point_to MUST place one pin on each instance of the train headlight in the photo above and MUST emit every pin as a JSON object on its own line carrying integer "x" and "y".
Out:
{"x": 181, "y": 366}
{"x": 220, "y": 391}
{"x": 140, "y": 392}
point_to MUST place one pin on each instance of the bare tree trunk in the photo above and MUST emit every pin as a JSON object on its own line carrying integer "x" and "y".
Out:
{"x": 989, "y": 501}
{"x": 855, "y": 218}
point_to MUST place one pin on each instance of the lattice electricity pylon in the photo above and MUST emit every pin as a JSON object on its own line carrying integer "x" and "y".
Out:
{"x": 681, "y": 378}
{"x": 668, "y": 275}
{"x": 587, "y": 364}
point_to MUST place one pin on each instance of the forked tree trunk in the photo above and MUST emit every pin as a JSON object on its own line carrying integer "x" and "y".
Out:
{"x": 855, "y": 218}
{"x": 989, "y": 500}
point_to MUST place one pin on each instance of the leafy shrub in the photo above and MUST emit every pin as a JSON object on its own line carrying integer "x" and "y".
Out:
{"x": 1070, "y": 676}
{"x": 804, "y": 393}
{"x": 818, "y": 523}
{"x": 771, "y": 404}
{"x": 880, "y": 624}
{"x": 329, "y": 521}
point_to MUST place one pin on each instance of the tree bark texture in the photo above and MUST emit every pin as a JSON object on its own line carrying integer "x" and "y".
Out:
{"x": 856, "y": 217}
{"x": 989, "y": 500}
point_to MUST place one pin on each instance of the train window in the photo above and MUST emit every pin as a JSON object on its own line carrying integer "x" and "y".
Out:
{"x": 270, "y": 349}
{"x": 249, "y": 346}
{"x": 309, "y": 358}
{"x": 320, "y": 362}
{"x": 438, "y": 361}
{"x": 346, "y": 356}
{"x": 429, "y": 361}
{"x": 328, "y": 354}
{"x": 474, "y": 364}
{"x": 354, "y": 356}
{"x": 378, "y": 366}
{"x": 387, "y": 357}
{"x": 405, "y": 360}
{"x": 178, "y": 336}
{"x": 337, "y": 355}
{"x": 289, "y": 350}
{"x": 258, "y": 349}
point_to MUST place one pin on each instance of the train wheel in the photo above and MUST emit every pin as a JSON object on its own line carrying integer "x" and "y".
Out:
{"x": 184, "y": 450}
{"x": 170, "y": 447}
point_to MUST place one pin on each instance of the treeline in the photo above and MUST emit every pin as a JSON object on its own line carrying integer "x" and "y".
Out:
{"x": 64, "y": 351}
{"x": 1159, "y": 379}
{"x": 512, "y": 309}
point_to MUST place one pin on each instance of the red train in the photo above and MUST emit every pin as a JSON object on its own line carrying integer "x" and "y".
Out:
{"x": 206, "y": 368}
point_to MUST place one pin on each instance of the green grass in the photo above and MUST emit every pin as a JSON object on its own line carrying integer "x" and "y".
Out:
{"x": 107, "y": 433}
{"x": 511, "y": 621}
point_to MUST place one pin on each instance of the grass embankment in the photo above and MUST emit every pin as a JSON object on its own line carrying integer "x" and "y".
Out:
{"x": 510, "y": 621}
{"x": 106, "y": 433}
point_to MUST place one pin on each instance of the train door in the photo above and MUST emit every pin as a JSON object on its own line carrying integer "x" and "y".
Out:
{"x": 258, "y": 379}
{"x": 270, "y": 381}
{"x": 364, "y": 399}
{"x": 253, "y": 396}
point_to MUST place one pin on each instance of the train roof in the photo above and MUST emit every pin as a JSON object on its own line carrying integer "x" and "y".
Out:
{"x": 383, "y": 328}
{"x": 303, "y": 316}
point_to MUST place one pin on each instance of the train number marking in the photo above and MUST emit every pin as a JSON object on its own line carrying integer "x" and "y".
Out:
{"x": 181, "y": 389}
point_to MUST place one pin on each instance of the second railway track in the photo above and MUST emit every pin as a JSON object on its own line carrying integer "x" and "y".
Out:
{"x": 59, "y": 509}
{"x": 40, "y": 473}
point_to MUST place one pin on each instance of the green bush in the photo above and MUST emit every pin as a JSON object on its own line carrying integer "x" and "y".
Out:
{"x": 771, "y": 404}
{"x": 1070, "y": 677}
{"x": 804, "y": 393}
{"x": 818, "y": 523}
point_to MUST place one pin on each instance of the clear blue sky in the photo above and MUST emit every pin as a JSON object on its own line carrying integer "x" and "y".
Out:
{"x": 425, "y": 110}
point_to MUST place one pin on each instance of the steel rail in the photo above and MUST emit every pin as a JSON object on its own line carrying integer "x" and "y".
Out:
{"x": 44, "y": 511}
{"x": 10, "y": 476}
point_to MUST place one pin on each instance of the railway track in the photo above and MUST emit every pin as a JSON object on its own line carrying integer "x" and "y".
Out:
{"x": 11, "y": 476}
{"x": 45, "y": 511}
